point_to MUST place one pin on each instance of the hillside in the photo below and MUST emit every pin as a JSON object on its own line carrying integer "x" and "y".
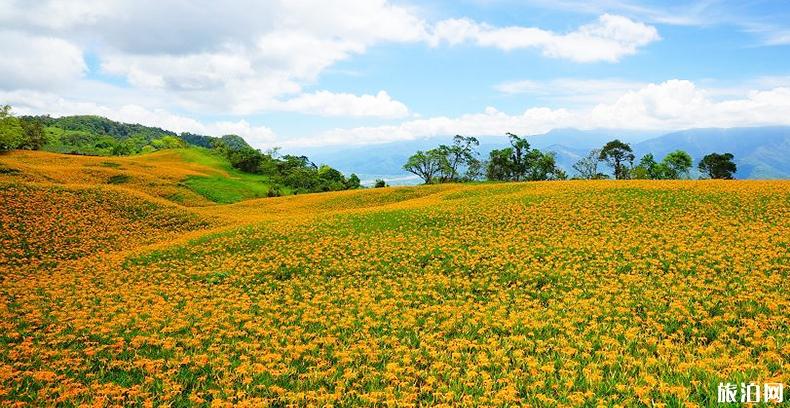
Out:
{"x": 544, "y": 294}
{"x": 191, "y": 176}
{"x": 99, "y": 136}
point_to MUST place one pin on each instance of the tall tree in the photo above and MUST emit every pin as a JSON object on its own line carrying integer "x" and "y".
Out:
{"x": 718, "y": 166}
{"x": 587, "y": 166}
{"x": 460, "y": 154}
{"x": 617, "y": 154}
{"x": 519, "y": 160}
{"x": 426, "y": 165}
{"x": 677, "y": 164}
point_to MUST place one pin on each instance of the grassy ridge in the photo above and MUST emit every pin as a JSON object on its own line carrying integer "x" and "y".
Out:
{"x": 192, "y": 176}
{"x": 542, "y": 294}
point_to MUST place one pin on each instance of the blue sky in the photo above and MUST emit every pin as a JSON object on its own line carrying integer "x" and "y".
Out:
{"x": 309, "y": 73}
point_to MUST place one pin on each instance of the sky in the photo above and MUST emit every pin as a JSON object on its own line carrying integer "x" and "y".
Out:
{"x": 303, "y": 73}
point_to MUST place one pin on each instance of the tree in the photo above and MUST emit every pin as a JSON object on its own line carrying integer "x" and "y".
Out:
{"x": 426, "y": 165}
{"x": 677, "y": 164}
{"x": 542, "y": 166}
{"x": 647, "y": 168}
{"x": 245, "y": 159}
{"x": 500, "y": 166}
{"x": 353, "y": 182}
{"x": 519, "y": 160}
{"x": 34, "y": 138}
{"x": 587, "y": 166}
{"x": 461, "y": 153}
{"x": 380, "y": 183}
{"x": 718, "y": 166}
{"x": 474, "y": 170}
{"x": 617, "y": 154}
{"x": 12, "y": 136}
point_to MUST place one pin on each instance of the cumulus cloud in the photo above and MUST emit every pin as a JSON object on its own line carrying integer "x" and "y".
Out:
{"x": 30, "y": 61}
{"x": 241, "y": 57}
{"x": 608, "y": 39}
{"x": 250, "y": 56}
{"x": 670, "y": 105}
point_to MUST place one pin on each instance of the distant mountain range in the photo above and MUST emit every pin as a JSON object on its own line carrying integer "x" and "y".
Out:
{"x": 760, "y": 152}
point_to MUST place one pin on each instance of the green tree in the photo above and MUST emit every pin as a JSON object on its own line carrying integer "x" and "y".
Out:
{"x": 426, "y": 165}
{"x": 647, "y": 168}
{"x": 718, "y": 166}
{"x": 353, "y": 182}
{"x": 245, "y": 159}
{"x": 677, "y": 164}
{"x": 34, "y": 138}
{"x": 12, "y": 135}
{"x": 617, "y": 154}
{"x": 500, "y": 166}
{"x": 542, "y": 166}
{"x": 380, "y": 183}
{"x": 460, "y": 154}
{"x": 520, "y": 159}
{"x": 168, "y": 142}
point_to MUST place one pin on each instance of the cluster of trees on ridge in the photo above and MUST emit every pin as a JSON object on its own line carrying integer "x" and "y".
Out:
{"x": 296, "y": 172}
{"x": 459, "y": 162}
{"x": 98, "y": 136}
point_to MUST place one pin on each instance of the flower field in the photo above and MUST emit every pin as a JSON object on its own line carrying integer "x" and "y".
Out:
{"x": 547, "y": 294}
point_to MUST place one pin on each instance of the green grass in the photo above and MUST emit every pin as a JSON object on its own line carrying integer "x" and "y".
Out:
{"x": 225, "y": 190}
{"x": 221, "y": 189}
{"x": 208, "y": 158}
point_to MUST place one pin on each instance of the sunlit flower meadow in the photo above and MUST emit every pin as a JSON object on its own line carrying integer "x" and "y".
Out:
{"x": 549, "y": 294}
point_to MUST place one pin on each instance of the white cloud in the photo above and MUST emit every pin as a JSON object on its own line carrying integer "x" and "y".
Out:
{"x": 342, "y": 104}
{"x": 242, "y": 56}
{"x": 609, "y": 38}
{"x": 571, "y": 90}
{"x": 670, "y": 105}
{"x": 251, "y": 56}
{"x": 38, "y": 62}
{"x": 679, "y": 104}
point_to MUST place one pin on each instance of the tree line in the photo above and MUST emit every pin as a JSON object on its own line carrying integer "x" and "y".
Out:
{"x": 460, "y": 162}
{"x": 298, "y": 173}
{"x": 619, "y": 156}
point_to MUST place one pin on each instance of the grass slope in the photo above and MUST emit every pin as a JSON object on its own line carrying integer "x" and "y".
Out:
{"x": 640, "y": 293}
{"x": 192, "y": 176}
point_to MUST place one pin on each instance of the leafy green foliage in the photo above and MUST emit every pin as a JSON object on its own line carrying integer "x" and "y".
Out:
{"x": 617, "y": 154}
{"x": 461, "y": 154}
{"x": 718, "y": 166}
{"x": 11, "y": 132}
{"x": 677, "y": 164}
{"x": 296, "y": 173}
{"x": 426, "y": 165}
{"x": 519, "y": 162}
